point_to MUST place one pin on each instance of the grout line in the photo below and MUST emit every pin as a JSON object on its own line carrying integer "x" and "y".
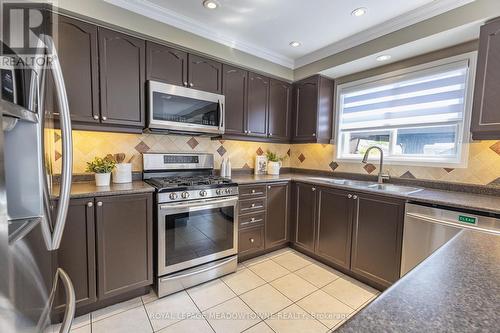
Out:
{"x": 192, "y": 300}
{"x": 147, "y": 315}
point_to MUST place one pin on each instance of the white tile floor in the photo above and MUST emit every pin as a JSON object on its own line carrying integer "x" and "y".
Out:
{"x": 283, "y": 291}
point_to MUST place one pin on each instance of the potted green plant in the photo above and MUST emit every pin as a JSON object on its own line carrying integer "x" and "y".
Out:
{"x": 102, "y": 168}
{"x": 274, "y": 163}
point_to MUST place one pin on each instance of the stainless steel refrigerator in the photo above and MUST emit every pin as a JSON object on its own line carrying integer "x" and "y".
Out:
{"x": 32, "y": 218}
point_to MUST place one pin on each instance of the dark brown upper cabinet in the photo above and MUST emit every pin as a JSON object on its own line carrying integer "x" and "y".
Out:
{"x": 312, "y": 110}
{"x": 204, "y": 74}
{"x": 258, "y": 100}
{"x": 334, "y": 226}
{"x": 485, "y": 110}
{"x": 277, "y": 214}
{"x": 377, "y": 238}
{"x": 122, "y": 76}
{"x": 77, "y": 48}
{"x": 166, "y": 64}
{"x": 235, "y": 82}
{"x": 305, "y": 216}
{"x": 124, "y": 243}
{"x": 76, "y": 254}
{"x": 280, "y": 101}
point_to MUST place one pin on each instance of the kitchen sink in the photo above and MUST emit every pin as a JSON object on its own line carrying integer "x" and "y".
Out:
{"x": 395, "y": 188}
{"x": 347, "y": 182}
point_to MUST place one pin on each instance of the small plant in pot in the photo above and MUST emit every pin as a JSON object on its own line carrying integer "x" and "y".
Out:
{"x": 274, "y": 163}
{"x": 102, "y": 168}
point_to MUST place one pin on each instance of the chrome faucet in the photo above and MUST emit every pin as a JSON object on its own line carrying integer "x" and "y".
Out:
{"x": 381, "y": 175}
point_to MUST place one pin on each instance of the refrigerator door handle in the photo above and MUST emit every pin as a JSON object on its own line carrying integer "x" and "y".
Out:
{"x": 67, "y": 146}
{"x": 69, "y": 314}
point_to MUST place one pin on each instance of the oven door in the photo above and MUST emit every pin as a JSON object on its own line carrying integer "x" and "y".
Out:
{"x": 181, "y": 109}
{"x": 196, "y": 232}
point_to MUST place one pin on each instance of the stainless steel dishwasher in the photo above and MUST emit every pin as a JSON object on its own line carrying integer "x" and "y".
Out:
{"x": 426, "y": 229}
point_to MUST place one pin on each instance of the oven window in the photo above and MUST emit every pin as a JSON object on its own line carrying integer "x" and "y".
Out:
{"x": 192, "y": 235}
{"x": 184, "y": 110}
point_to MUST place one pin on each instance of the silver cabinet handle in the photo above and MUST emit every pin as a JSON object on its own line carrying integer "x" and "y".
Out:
{"x": 314, "y": 134}
{"x": 96, "y": 117}
{"x": 270, "y": 134}
{"x": 104, "y": 118}
{"x": 313, "y": 189}
{"x": 99, "y": 203}
{"x": 253, "y": 191}
{"x": 354, "y": 197}
{"x": 185, "y": 83}
{"x": 66, "y": 139}
{"x": 253, "y": 205}
{"x": 191, "y": 84}
{"x": 269, "y": 186}
{"x": 349, "y": 196}
{"x": 69, "y": 315}
{"x": 249, "y": 132}
{"x": 252, "y": 240}
{"x": 90, "y": 204}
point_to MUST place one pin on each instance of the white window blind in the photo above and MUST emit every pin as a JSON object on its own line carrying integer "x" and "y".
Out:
{"x": 417, "y": 115}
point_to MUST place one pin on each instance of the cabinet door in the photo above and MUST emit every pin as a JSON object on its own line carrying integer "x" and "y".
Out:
{"x": 76, "y": 254}
{"x": 485, "y": 114}
{"x": 277, "y": 214}
{"x": 235, "y": 92}
{"x": 124, "y": 243}
{"x": 305, "y": 215}
{"x": 305, "y": 109}
{"x": 205, "y": 74}
{"x": 77, "y": 50}
{"x": 377, "y": 238}
{"x": 122, "y": 68}
{"x": 258, "y": 96}
{"x": 280, "y": 97}
{"x": 166, "y": 64}
{"x": 335, "y": 210}
{"x": 250, "y": 240}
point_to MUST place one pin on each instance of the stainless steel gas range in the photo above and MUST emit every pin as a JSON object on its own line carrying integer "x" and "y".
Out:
{"x": 196, "y": 220}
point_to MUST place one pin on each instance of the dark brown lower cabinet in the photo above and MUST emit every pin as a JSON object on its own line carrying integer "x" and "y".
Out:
{"x": 106, "y": 248}
{"x": 334, "y": 226}
{"x": 277, "y": 214}
{"x": 76, "y": 254}
{"x": 305, "y": 216}
{"x": 377, "y": 238}
{"x": 124, "y": 243}
{"x": 251, "y": 240}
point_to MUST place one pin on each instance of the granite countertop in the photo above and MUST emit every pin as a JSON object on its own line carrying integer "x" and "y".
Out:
{"x": 89, "y": 189}
{"x": 457, "y": 289}
{"x": 481, "y": 202}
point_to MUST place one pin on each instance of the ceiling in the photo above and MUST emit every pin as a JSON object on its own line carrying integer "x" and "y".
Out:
{"x": 265, "y": 28}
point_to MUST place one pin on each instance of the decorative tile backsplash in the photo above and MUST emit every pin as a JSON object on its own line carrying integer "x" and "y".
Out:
{"x": 483, "y": 165}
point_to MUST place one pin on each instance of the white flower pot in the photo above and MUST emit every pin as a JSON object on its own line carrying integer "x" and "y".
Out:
{"x": 273, "y": 168}
{"x": 102, "y": 179}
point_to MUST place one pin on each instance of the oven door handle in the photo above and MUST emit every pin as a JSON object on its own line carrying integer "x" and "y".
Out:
{"x": 199, "y": 271}
{"x": 197, "y": 203}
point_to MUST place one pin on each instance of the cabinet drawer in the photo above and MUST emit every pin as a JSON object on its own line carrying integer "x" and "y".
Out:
{"x": 250, "y": 220}
{"x": 252, "y": 191}
{"x": 250, "y": 240}
{"x": 252, "y": 205}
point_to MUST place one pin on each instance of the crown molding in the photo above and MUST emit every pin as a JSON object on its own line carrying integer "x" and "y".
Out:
{"x": 164, "y": 15}
{"x": 419, "y": 14}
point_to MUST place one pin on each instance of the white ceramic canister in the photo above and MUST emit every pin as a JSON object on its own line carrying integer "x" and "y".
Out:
{"x": 273, "y": 168}
{"x": 102, "y": 179}
{"x": 122, "y": 173}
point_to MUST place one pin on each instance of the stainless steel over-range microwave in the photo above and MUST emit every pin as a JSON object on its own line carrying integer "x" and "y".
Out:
{"x": 182, "y": 109}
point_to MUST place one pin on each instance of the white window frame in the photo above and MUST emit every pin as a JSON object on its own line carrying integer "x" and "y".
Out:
{"x": 461, "y": 159}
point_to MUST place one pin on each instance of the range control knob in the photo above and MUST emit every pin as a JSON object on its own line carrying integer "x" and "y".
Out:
{"x": 228, "y": 190}
{"x": 203, "y": 193}
{"x": 173, "y": 196}
{"x": 218, "y": 191}
{"x": 185, "y": 195}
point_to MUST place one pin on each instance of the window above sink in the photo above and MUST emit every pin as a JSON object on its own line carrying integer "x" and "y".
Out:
{"x": 418, "y": 115}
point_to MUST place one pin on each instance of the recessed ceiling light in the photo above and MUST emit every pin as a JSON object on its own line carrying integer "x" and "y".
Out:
{"x": 359, "y": 11}
{"x": 384, "y": 57}
{"x": 210, "y": 4}
{"x": 295, "y": 44}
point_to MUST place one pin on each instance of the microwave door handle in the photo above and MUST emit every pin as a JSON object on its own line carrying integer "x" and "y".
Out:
{"x": 67, "y": 144}
{"x": 221, "y": 122}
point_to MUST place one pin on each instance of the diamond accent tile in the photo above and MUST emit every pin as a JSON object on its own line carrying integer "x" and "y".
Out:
{"x": 289, "y": 152}
{"x": 57, "y": 137}
{"x": 496, "y": 182}
{"x": 301, "y": 158}
{"x": 408, "y": 175}
{"x": 222, "y": 141}
{"x": 259, "y": 151}
{"x": 141, "y": 147}
{"x": 57, "y": 155}
{"x": 246, "y": 166}
{"x": 221, "y": 150}
{"x": 370, "y": 168}
{"x": 193, "y": 143}
{"x": 448, "y": 169}
{"x": 333, "y": 165}
{"x": 496, "y": 147}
